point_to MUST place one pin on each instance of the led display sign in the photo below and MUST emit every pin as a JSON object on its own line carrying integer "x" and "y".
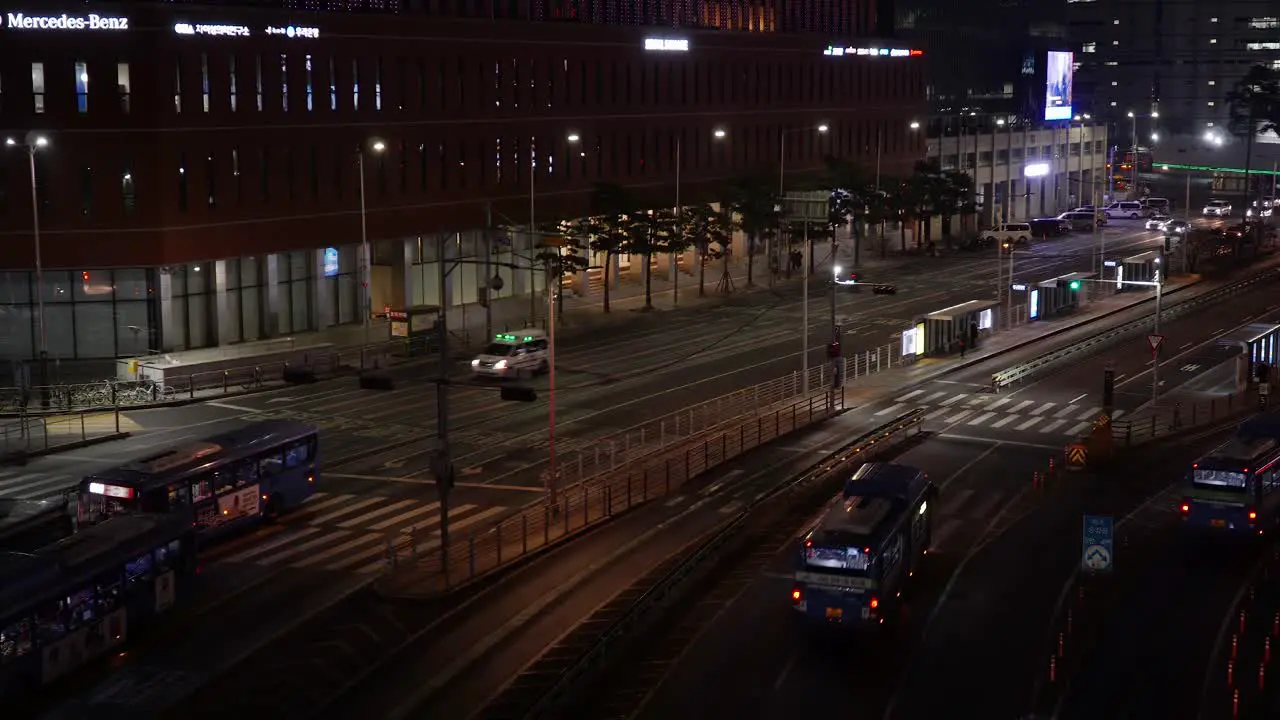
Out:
{"x": 330, "y": 262}
{"x": 23, "y": 21}
{"x": 1057, "y": 85}
{"x": 834, "y": 51}
{"x": 230, "y": 30}
{"x": 666, "y": 45}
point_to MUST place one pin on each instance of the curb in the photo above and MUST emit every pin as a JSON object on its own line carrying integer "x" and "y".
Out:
{"x": 21, "y": 457}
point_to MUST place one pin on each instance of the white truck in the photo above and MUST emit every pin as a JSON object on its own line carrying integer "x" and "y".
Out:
{"x": 1013, "y": 233}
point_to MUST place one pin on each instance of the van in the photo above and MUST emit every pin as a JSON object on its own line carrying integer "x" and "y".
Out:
{"x": 1157, "y": 204}
{"x": 513, "y": 355}
{"x": 1082, "y": 220}
{"x": 1127, "y": 209}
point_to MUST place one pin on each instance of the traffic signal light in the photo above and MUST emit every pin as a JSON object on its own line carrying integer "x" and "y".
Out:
{"x": 1075, "y": 285}
{"x": 518, "y": 393}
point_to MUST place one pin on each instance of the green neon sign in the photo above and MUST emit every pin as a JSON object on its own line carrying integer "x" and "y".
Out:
{"x": 1207, "y": 168}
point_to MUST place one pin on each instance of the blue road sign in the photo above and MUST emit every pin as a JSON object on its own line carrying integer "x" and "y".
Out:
{"x": 1098, "y": 543}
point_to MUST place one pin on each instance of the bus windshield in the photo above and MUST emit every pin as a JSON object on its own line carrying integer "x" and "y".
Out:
{"x": 838, "y": 558}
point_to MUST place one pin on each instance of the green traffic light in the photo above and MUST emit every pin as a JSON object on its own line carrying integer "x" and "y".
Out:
{"x": 1075, "y": 284}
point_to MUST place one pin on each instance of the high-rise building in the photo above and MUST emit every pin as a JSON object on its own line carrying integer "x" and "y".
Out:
{"x": 1160, "y": 70}
{"x": 204, "y": 173}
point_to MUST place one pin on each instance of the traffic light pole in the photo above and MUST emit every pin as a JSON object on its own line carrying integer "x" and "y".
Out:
{"x": 444, "y": 458}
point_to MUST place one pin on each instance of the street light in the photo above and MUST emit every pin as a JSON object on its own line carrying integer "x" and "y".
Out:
{"x": 716, "y": 134}
{"x": 822, "y": 129}
{"x": 915, "y": 125}
{"x": 32, "y": 142}
{"x": 366, "y": 272}
{"x": 557, "y": 243}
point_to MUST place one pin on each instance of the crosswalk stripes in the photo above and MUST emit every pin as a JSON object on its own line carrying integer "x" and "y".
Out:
{"x": 34, "y": 486}
{"x": 351, "y": 533}
{"x": 982, "y": 410}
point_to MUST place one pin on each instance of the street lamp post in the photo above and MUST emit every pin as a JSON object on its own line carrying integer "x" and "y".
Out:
{"x": 366, "y": 271}
{"x": 1134, "y": 152}
{"x": 804, "y": 332}
{"x": 782, "y": 175}
{"x": 552, "y": 470}
{"x": 31, "y": 143}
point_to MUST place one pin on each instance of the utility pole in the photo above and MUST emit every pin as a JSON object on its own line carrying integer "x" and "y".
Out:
{"x": 804, "y": 332}
{"x": 443, "y": 458}
{"x": 488, "y": 271}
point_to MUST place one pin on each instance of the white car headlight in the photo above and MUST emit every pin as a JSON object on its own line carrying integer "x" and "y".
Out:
{"x": 500, "y": 365}
{"x": 475, "y": 363}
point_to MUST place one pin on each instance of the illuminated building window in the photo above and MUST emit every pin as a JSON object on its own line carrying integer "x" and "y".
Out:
{"x": 204, "y": 81}
{"x": 37, "y": 86}
{"x": 310, "y": 93}
{"x": 82, "y": 87}
{"x": 231, "y": 76}
{"x": 284, "y": 82}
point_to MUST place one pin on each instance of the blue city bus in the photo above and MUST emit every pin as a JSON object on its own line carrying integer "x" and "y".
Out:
{"x": 80, "y": 598}
{"x": 224, "y": 484}
{"x": 27, "y": 525}
{"x": 1233, "y": 488}
{"x": 852, "y": 563}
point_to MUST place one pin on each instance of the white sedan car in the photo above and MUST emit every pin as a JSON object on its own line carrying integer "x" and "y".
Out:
{"x": 1156, "y": 222}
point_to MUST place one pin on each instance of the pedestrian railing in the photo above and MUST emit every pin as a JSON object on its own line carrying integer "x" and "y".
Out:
{"x": 1180, "y": 417}
{"x": 575, "y": 506}
{"x": 42, "y": 433}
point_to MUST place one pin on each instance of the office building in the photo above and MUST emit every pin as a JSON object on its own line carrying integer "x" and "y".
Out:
{"x": 205, "y": 173}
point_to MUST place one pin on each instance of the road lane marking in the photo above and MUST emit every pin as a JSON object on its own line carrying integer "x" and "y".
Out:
{"x": 998, "y": 403}
{"x": 936, "y": 414}
{"x": 1042, "y": 409}
{"x": 952, "y": 503}
{"x": 958, "y": 417}
{"x": 1078, "y": 429}
{"x": 786, "y": 670}
{"x": 934, "y": 396}
{"x": 1053, "y": 426}
{"x": 1089, "y": 414}
{"x": 429, "y": 507}
{"x": 1065, "y": 411}
{"x": 269, "y": 546}
{"x": 289, "y": 552}
{"x": 891, "y": 409}
{"x": 994, "y": 441}
{"x": 1019, "y": 406}
{"x": 339, "y": 549}
{"x": 1079, "y": 397}
{"x": 346, "y": 510}
{"x": 376, "y": 513}
{"x": 229, "y": 406}
{"x": 313, "y": 506}
{"x": 1029, "y": 423}
{"x": 908, "y": 396}
{"x": 982, "y": 418}
{"x": 1005, "y": 421}
{"x": 954, "y": 399}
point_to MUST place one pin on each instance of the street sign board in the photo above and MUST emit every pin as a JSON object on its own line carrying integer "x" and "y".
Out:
{"x": 1154, "y": 341}
{"x": 1098, "y": 543}
{"x": 813, "y": 206}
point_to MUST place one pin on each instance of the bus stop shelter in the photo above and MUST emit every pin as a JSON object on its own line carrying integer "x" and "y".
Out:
{"x": 1138, "y": 268}
{"x": 943, "y": 329}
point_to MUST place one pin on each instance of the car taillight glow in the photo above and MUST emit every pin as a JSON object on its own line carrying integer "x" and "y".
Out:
{"x": 1186, "y": 508}
{"x": 1253, "y": 515}
{"x": 875, "y": 603}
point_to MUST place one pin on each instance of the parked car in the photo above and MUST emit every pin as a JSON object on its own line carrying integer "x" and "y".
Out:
{"x": 1016, "y": 233}
{"x": 1156, "y": 222}
{"x": 1218, "y": 208}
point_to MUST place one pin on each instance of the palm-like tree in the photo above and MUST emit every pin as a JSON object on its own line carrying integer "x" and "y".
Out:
{"x": 1254, "y": 109}
{"x": 607, "y": 231}
{"x": 649, "y": 233}
{"x": 710, "y": 232}
{"x": 755, "y": 203}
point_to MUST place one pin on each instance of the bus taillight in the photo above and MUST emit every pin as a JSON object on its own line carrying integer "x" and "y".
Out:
{"x": 1253, "y": 515}
{"x": 1186, "y": 508}
{"x": 311, "y": 478}
{"x": 875, "y": 603}
{"x": 795, "y": 596}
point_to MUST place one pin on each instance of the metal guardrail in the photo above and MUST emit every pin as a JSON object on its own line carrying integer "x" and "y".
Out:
{"x": 1025, "y": 370}
{"x": 561, "y": 689}
{"x": 593, "y": 500}
{"x": 106, "y": 394}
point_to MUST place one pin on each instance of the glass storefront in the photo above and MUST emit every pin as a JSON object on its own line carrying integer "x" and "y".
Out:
{"x": 87, "y": 313}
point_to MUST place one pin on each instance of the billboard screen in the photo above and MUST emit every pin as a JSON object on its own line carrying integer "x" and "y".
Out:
{"x": 1057, "y": 82}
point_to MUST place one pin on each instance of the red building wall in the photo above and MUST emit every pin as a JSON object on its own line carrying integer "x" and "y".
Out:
{"x": 457, "y": 103}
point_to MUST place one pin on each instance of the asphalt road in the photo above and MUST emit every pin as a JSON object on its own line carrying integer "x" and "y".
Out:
{"x": 299, "y": 566}
{"x": 969, "y": 641}
{"x": 1197, "y": 364}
